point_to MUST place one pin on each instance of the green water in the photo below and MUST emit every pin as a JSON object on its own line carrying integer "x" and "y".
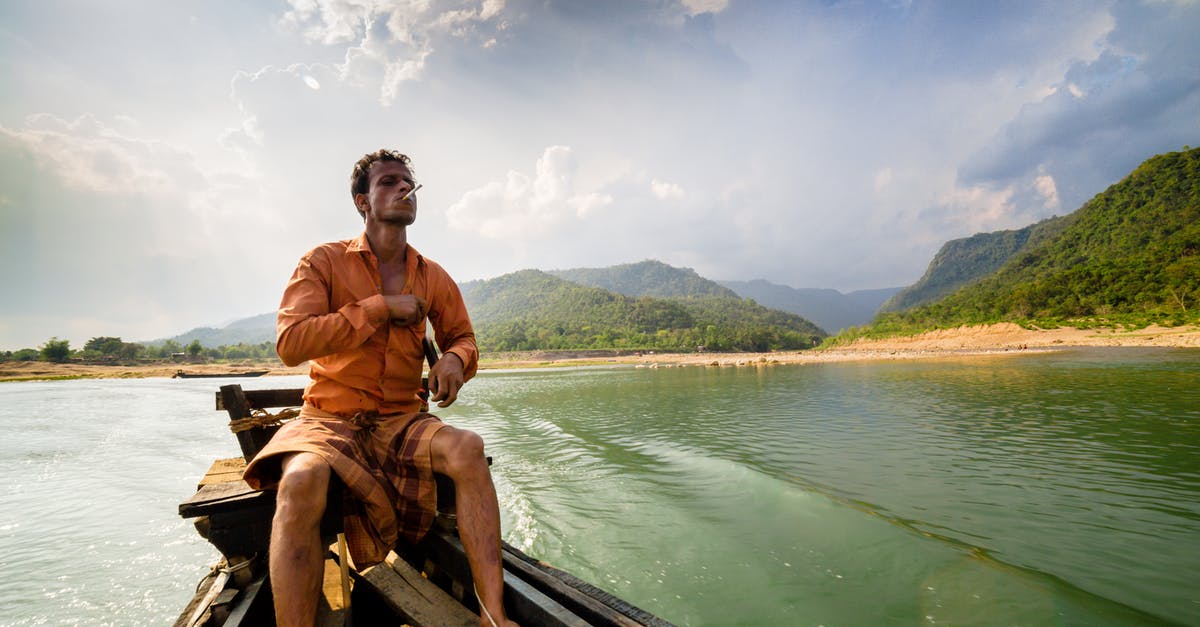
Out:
{"x": 1041, "y": 489}
{"x": 1031, "y": 489}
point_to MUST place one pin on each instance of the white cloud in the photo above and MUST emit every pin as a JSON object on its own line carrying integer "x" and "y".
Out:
{"x": 696, "y": 7}
{"x": 663, "y": 190}
{"x": 977, "y": 209}
{"x": 524, "y": 206}
{"x": 1045, "y": 185}
{"x": 91, "y": 156}
{"x": 390, "y": 42}
{"x": 586, "y": 204}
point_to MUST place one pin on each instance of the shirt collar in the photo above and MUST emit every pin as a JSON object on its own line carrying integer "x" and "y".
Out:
{"x": 360, "y": 244}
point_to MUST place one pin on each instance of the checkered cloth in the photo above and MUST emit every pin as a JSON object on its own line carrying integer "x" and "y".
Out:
{"x": 385, "y": 462}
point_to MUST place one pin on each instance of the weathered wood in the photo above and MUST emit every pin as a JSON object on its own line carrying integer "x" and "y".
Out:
{"x": 525, "y": 603}
{"x": 331, "y": 610}
{"x": 234, "y": 401}
{"x": 586, "y": 605}
{"x": 415, "y": 598}
{"x": 221, "y": 497}
{"x": 535, "y": 608}
{"x": 252, "y": 604}
{"x": 266, "y": 399}
{"x": 223, "y": 471}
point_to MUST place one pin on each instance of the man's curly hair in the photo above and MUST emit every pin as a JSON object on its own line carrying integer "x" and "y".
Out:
{"x": 360, "y": 182}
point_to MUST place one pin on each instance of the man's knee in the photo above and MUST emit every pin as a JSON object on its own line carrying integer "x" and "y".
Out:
{"x": 460, "y": 452}
{"x": 303, "y": 486}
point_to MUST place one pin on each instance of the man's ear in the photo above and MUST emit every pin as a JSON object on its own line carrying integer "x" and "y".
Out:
{"x": 361, "y": 202}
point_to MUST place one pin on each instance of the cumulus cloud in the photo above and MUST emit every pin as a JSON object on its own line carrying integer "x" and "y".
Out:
{"x": 523, "y": 206}
{"x": 388, "y": 43}
{"x": 1107, "y": 113}
{"x": 1044, "y": 184}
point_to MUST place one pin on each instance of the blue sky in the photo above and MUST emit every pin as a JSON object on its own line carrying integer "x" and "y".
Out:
{"x": 164, "y": 164}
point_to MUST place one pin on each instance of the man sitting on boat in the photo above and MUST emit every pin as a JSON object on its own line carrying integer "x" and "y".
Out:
{"x": 356, "y": 310}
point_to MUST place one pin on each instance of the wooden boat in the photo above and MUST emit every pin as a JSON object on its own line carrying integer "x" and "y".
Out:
{"x": 428, "y": 584}
{"x": 179, "y": 374}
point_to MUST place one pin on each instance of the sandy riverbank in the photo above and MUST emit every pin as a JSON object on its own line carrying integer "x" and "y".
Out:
{"x": 978, "y": 340}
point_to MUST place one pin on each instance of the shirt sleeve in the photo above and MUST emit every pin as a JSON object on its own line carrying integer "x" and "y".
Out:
{"x": 452, "y": 325}
{"x": 306, "y": 328}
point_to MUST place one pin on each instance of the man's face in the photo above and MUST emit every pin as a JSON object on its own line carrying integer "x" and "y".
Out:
{"x": 388, "y": 182}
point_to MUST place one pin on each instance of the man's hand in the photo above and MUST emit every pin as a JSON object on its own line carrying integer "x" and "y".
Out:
{"x": 405, "y": 309}
{"x": 445, "y": 378}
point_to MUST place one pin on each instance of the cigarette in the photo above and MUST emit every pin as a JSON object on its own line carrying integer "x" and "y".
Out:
{"x": 412, "y": 191}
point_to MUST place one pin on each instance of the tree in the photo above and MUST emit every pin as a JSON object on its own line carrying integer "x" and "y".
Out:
{"x": 104, "y": 345}
{"x": 168, "y": 348}
{"x": 56, "y": 350}
{"x": 194, "y": 348}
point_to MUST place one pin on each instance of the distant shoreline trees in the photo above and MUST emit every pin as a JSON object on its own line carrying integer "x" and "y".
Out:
{"x": 113, "y": 350}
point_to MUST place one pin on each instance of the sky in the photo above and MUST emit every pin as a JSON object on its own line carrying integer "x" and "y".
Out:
{"x": 163, "y": 165}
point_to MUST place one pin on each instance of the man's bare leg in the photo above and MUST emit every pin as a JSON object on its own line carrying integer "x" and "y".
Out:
{"x": 296, "y": 555}
{"x": 458, "y": 454}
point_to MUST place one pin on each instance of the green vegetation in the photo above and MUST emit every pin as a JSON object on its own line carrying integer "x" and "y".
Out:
{"x": 647, "y": 278}
{"x": 1128, "y": 257}
{"x": 963, "y": 261}
{"x": 112, "y": 350}
{"x": 56, "y": 350}
{"x": 533, "y": 310}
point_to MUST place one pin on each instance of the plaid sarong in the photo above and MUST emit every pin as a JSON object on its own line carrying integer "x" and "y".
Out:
{"x": 384, "y": 461}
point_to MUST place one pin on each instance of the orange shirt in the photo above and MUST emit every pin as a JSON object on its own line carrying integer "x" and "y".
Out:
{"x": 333, "y": 315}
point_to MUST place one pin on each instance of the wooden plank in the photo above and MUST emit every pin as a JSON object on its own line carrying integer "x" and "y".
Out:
{"x": 234, "y": 401}
{"x": 249, "y": 603}
{"x": 535, "y": 608}
{"x": 407, "y": 593}
{"x": 592, "y": 609}
{"x": 524, "y": 603}
{"x": 224, "y": 471}
{"x": 331, "y": 610}
{"x": 266, "y": 399}
{"x": 222, "y": 497}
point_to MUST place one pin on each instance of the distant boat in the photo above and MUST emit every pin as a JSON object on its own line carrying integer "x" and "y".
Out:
{"x": 210, "y": 375}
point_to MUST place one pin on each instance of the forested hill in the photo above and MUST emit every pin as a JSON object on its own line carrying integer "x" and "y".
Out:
{"x": 646, "y": 278}
{"x": 1132, "y": 253}
{"x": 963, "y": 261}
{"x": 534, "y": 310}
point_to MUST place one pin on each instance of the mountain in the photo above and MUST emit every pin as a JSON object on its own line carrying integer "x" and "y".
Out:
{"x": 646, "y": 278}
{"x": 963, "y": 261}
{"x": 829, "y": 309}
{"x": 1132, "y": 251}
{"x": 532, "y": 309}
{"x": 252, "y": 330}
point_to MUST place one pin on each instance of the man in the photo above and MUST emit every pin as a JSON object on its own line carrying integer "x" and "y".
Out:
{"x": 356, "y": 310}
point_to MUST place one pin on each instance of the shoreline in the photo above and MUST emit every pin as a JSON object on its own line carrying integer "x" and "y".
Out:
{"x": 967, "y": 341}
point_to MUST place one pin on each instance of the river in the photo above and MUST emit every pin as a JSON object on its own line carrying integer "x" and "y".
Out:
{"x": 1047, "y": 488}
